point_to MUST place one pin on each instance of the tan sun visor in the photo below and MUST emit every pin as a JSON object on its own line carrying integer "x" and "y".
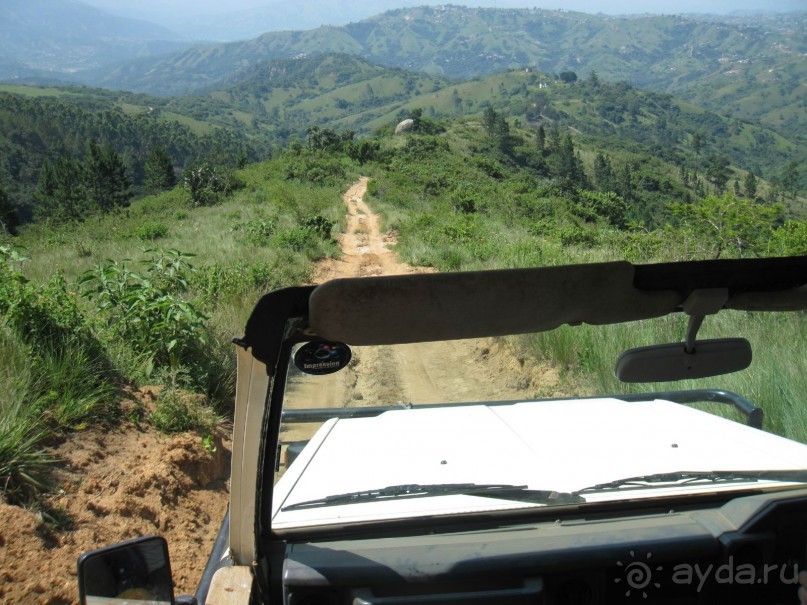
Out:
{"x": 446, "y": 306}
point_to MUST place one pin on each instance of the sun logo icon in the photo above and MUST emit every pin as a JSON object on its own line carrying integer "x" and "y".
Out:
{"x": 638, "y": 575}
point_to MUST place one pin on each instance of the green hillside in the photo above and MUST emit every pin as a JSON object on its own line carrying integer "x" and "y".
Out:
{"x": 275, "y": 102}
{"x": 43, "y": 125}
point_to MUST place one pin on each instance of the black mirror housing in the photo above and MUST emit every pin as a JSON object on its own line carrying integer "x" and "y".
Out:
{"x": 670, "y": 362}
{"x": 135, "y": 570}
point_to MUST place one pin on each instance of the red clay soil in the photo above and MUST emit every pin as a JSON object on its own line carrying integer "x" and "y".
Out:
{"x": 114, "y": 484}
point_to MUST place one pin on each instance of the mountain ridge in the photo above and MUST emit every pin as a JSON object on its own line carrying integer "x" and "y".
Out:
{"x": 51, "y": 37}
{"x": 716, "y": 64}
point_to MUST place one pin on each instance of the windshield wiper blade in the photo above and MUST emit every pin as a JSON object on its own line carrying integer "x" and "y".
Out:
{"x": 680, "y": 478}
{"x": 494, "y": 490}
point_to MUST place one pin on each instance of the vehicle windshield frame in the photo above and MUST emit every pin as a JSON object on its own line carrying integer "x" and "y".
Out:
{"x": 284, "y": 321}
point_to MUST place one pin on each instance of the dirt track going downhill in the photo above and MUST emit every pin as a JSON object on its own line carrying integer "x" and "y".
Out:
{"x": 468, "y": 370}
{"x": 364, "y": 246}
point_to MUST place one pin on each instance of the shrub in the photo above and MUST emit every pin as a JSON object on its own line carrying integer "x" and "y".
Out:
{"x": 207, "y": 184}
{"x": 151, "y": 230}
{"x": 725, "y": 226}
{"x": 594, "y": 204}
{"x": 575, "y": 235}
{"x": 319, "y": 225}
{"x": 299, "y": 239}
{"x": 255, "y": 232}
{"x": 45, "y": 316}
{"x": 316, "y": 168}
{"x": 790, "y": 239}
{"x": 176, "y": 412}
{"x": 145, "y": 310}
{"x": 423, "y": 147}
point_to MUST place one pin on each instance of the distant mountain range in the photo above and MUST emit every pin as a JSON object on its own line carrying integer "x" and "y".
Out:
{"x": 276, "y": 102}
{"x": 55, "y": 38}
{"x": 748, "y": 68}
{"x": 286, "y": 15}
{"x": 751, "y": 68}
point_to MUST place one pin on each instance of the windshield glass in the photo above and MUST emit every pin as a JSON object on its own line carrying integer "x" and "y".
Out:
{"x": 481, "y": 425}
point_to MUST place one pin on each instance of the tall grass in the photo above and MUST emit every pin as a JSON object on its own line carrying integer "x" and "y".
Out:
{"x": 73, "y": 389}
{"x": 775, "y": 381}
{"x": 23, "y": 460}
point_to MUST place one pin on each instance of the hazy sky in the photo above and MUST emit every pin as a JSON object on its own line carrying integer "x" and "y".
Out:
{"x": 152, "y": 9}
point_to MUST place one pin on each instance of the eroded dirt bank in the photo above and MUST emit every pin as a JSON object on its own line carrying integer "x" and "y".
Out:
{"x": 115, "y": 484}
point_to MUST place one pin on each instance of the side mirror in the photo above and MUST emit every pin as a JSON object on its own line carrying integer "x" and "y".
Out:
{"x": 129, "y": 572}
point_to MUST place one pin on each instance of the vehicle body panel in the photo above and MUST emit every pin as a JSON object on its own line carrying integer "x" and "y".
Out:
{"x": 548, "y": 445}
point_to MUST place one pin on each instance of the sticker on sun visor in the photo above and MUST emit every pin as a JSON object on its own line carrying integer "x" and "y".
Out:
{"x": 322, "y": 357}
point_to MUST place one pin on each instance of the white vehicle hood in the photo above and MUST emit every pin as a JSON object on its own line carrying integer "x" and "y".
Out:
{"x": 562, "y": 446}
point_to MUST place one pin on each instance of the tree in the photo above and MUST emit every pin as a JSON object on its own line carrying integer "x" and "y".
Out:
{"x": 363, "y": 151}
{"x": 603, "y": 173}
{"x": 498, "y": 130}
{"x": 750, "y": 185}
{"x": 421, "y": 124}
{"x": 790, "y": 178}
{"x": 104, "y": 177}
{"x": 569, "y": 167}
{"x": 326, "y": 139}
{"x": 684, "y": 175}
{"x": 369, "y": 93}
{"x": 61, "y": 195}
{"x": 727, "y": 225}
{"x": 554, "y": 139}
{"x": 489, "y": 119}
{"x": 568, "y": 77}
{"x": 624, "y": 183}
{"x": 456, "y": 98}
{"x": 540, "y": 139}
{"x": 416, "y": 115}
{"x": 159, "y": 170}
{"x": 717, "y": 171}
{"x": 9, "y": 217}
{"x": 697, "y": 143}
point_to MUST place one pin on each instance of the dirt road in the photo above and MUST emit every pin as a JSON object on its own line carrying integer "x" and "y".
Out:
{"x": 423, "y": 373}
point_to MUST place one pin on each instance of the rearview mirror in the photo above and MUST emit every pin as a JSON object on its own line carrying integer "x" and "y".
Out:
{"x": 128, "y": 572}
{"x": 669, "y": 362}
